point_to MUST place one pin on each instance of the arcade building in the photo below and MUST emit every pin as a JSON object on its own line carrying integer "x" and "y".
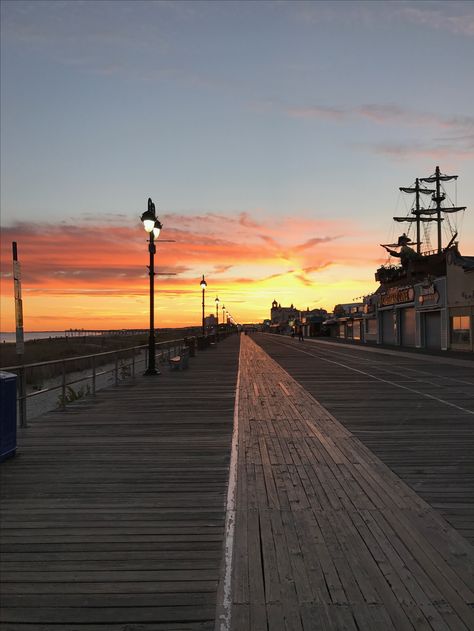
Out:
{"x": 427, "y": 301}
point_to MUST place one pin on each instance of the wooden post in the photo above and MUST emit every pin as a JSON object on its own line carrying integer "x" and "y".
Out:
{"x": 21, "y": 386}
{"x": 93, "y": 375}
{"x": 63, "y": 386}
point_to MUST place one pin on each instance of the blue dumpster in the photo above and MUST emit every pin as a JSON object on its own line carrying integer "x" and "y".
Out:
{"x": 7, "y": 415}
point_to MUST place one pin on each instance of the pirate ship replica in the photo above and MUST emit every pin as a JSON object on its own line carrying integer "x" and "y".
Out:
{"x": 418, "y": 259}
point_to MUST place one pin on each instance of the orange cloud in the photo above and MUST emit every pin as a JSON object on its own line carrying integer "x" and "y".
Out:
{"x": 75, "y": 275}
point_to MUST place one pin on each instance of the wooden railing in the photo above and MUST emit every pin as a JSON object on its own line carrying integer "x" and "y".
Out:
{"x": 122, "y": 363}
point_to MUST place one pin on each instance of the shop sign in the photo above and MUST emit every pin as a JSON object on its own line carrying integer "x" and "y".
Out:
{"x": 428, "y": 295}
{"x": 396, "y": 295}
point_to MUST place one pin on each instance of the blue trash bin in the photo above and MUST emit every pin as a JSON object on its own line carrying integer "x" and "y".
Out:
{"x": 7, "y": 415}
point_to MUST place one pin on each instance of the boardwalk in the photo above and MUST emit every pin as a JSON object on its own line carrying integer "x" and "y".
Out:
{"x": 113, "y": 511}
{"x": 327, "y": 537}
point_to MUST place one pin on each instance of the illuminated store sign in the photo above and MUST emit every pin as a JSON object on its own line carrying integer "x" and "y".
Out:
{"x": 396, "y": 295}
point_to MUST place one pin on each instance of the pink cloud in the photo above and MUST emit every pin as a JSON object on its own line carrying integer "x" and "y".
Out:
{"x": 401, "y": 151}
{"x": 330, "y": 113}
{"x": 384, "y": 114}
{"x": 439, "y": 20}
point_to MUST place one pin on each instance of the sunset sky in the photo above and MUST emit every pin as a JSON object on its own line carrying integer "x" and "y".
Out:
{"x": 272, "y": 137}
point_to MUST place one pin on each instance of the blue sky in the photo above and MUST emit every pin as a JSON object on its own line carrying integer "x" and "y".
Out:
{"x": 314, "y": 110}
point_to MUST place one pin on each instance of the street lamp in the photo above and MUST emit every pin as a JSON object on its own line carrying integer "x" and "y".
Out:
{"x": 203, "y": 287}
{"x": 223, "y": 317}
{"x": 153, "y": 227}
{"x": 217, "y": 317}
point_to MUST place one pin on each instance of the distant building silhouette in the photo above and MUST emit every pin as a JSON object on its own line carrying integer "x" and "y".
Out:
{"x": 283, "y": 319}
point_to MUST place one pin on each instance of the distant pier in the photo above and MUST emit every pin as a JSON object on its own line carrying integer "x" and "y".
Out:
{"x": 102, "y": 332}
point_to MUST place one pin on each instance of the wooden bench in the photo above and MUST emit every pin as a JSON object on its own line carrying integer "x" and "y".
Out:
{"x": 181, "y": 361}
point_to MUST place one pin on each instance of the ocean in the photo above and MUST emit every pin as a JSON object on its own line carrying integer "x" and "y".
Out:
{"x": 31, "y": 335}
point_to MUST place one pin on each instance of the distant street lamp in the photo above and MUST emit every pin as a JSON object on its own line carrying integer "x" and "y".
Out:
{"x": 217, "y": 315}
{"x": 153, "y": 227}
{"x": 223, "y": 316}
{"x": 203, "y": 287}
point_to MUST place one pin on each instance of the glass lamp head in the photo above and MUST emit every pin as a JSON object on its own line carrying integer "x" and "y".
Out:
{"x": 148, "y": 218}
{"x": 203, "y": 283}
{"x": 157, "y": 226}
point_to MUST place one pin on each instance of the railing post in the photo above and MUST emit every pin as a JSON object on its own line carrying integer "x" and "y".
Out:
{"x": 22, "y": 396}
{"x": 63, "y": 386}
{"x": 93, "y": 376}
{"x": 116, "y": 370}
{"x": 133, "y": 365}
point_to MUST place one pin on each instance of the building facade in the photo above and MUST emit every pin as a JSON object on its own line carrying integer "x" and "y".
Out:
{"x": 414, "y": 315}
{"x": 460, "y": 301}
{"x": 286, "y": 319}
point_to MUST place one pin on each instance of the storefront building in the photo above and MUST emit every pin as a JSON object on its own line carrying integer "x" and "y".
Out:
{"x": 347, "y": 322}
{"x": 288, "y": 320}
{"x": 369, "y": 318}
{"x": 396, "y": 316}
{"x": 460, "y": 288}
{"x": 431, "y": 316}
{"x": 414, "y": 316}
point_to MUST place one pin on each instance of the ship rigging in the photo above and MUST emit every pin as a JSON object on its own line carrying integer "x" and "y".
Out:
{"x": 422, "y": 260}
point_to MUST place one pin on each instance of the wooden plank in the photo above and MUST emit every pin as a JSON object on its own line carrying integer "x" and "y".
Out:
{"x": 100, "y": 615}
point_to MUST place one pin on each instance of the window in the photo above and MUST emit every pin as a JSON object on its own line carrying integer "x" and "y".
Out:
{"x": 356, "y": 329}
{"x": 341, "y": 331}
{"x": 461, "y": 330}
{"x": 371, "y": 326}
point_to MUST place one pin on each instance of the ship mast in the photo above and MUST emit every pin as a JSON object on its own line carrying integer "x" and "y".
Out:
{"x": 438, "y": 197}
{"x": 417, "y": 211}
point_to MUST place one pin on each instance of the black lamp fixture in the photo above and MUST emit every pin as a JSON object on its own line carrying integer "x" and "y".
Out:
{"x": 153, "y": 227}
{"x": 203, "y": 285}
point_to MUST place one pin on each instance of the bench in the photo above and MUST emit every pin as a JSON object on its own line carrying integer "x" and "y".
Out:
{"x": 181, "y": 361}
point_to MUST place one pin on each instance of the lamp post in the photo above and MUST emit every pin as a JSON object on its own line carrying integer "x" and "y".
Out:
{"x": 223, "y": 318}
{"x": 153, "y": 227}
{"x": 203, "y": 287}
{"x": 217, "y": 317}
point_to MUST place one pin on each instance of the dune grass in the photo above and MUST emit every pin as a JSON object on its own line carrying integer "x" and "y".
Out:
{"x": 67, "y": 347}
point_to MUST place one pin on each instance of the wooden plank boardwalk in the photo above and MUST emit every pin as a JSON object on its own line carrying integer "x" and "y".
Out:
{"x": 113, "y": 511}
{"x": 327, "y": 536}
{"x": 416, "y": 413}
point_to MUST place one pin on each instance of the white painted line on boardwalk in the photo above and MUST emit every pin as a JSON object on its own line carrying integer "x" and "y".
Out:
{"x": 368, "y": 374}
{"x": 387, "y": 351}
{"x": 403, "y": 356}
{"x": 224, "y": 594}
